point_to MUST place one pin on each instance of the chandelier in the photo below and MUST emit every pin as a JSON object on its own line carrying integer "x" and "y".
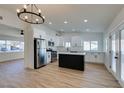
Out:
{"x": 30, "y": 13}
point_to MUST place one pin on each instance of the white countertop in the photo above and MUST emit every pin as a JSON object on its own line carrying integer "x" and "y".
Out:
{"x": 71, "y": 53}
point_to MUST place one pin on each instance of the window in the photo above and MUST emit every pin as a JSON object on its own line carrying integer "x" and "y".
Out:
{"x": 67, "y": 44}
{"x": 106, "y": 45}
{"x": 86, "y": 45}
{"x": 94, "y": 45}
{"x": 90, "y": 45}
{"x": 2, "y": 45}
{"x": 6, "y": 45}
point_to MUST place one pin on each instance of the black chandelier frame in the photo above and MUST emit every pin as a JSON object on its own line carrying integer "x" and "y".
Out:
{"x": 24, "y": 11}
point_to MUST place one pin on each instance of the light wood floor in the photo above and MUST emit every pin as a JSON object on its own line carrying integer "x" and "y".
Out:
{"x": 13, "y": 74}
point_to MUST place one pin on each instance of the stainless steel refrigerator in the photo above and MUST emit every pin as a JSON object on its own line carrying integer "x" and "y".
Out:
{"x": 39, "y": 53}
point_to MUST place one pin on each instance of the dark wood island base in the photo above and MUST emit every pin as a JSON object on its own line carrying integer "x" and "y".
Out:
{"x": 72, "y": 61}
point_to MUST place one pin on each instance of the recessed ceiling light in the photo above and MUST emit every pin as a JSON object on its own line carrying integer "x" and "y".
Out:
{"x": 65, "y": 22}
{"x": 73, "y": 29}
{"x": 50, "y": 23}
{"x": 85, "y": 20}
{"x": 87, "y": 29}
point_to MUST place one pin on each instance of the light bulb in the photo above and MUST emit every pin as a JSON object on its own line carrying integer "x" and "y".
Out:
{"x": 44, "y": 17}
{"x": 25, "y": 6}
{"x": 39, "y": 11}
{"x": 26, "y": 17}
{"x": 18, "y": 10}
{"x": 37, "y": 20}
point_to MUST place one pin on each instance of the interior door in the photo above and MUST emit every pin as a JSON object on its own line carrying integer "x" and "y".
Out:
{"x": 115, "y": 54}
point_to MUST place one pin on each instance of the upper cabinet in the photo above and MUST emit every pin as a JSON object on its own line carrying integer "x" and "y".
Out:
{"x": 60, "y": 41}
{"x": 76, "y": 41}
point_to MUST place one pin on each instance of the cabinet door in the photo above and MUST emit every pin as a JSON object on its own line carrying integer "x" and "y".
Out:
{"x": 76, "y": 41}
{"x": 88, "y": 57}
{"x": 93, "y": 57}
{"x": 48, "y": 57}
{"x": 61, "y": 41}
{"x": 57, "y": 41}
{"x": 100, "y": 57}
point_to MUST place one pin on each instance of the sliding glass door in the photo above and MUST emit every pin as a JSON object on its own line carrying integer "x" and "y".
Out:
{"x": 122, "y": 55}
{"x": 117, "y": 55}
{"x": 113, "y": 53}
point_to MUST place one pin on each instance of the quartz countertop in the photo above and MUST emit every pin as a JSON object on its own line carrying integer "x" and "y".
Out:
{"x": 69, "y": 53}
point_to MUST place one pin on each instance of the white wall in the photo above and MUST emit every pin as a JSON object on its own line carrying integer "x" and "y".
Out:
{"x": 28, "y": 46}
{"x": 7, "y": 37}
{"x": 10, "y": 34}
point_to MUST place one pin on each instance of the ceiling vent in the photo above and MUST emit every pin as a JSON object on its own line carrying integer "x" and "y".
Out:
{"x": 1, "y": 18}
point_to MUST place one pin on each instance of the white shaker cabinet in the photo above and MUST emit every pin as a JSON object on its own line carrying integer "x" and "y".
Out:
{"x": 95, "y": 57}
{"x": 48, "y": 57}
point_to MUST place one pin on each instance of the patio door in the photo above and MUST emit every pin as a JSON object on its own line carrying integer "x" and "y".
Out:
{"x": 122, "y": 56}
{"x": 115, "y": 64}
{"x": 116, "y": 55}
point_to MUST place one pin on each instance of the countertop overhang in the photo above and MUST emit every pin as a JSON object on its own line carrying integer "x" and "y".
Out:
{"x": 69, "y": 53}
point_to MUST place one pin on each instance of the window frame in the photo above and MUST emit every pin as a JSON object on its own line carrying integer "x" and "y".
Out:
{"x": 8, "y": 46}
{"x": 67, "y": 44}
{"x": 90, "y": 47}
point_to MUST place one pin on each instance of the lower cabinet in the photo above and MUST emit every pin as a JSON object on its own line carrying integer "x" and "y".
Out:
{"x": 48, "y": 57}
{"x": 95, "y": 57}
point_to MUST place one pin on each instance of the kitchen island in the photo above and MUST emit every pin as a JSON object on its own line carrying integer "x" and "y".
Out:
{"x": 72, "y": 60}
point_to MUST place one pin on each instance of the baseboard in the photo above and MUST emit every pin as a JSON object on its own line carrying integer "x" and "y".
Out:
{"x": 121, "y": 83}
{"x": 94, "y": 62}
{"x": 12, "y": 60}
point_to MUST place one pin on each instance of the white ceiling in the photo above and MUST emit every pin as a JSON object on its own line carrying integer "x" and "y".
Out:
{"x": 99, "y": 16}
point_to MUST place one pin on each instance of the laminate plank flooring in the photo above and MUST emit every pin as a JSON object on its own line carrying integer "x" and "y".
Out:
{"x": 14, "y": 75}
